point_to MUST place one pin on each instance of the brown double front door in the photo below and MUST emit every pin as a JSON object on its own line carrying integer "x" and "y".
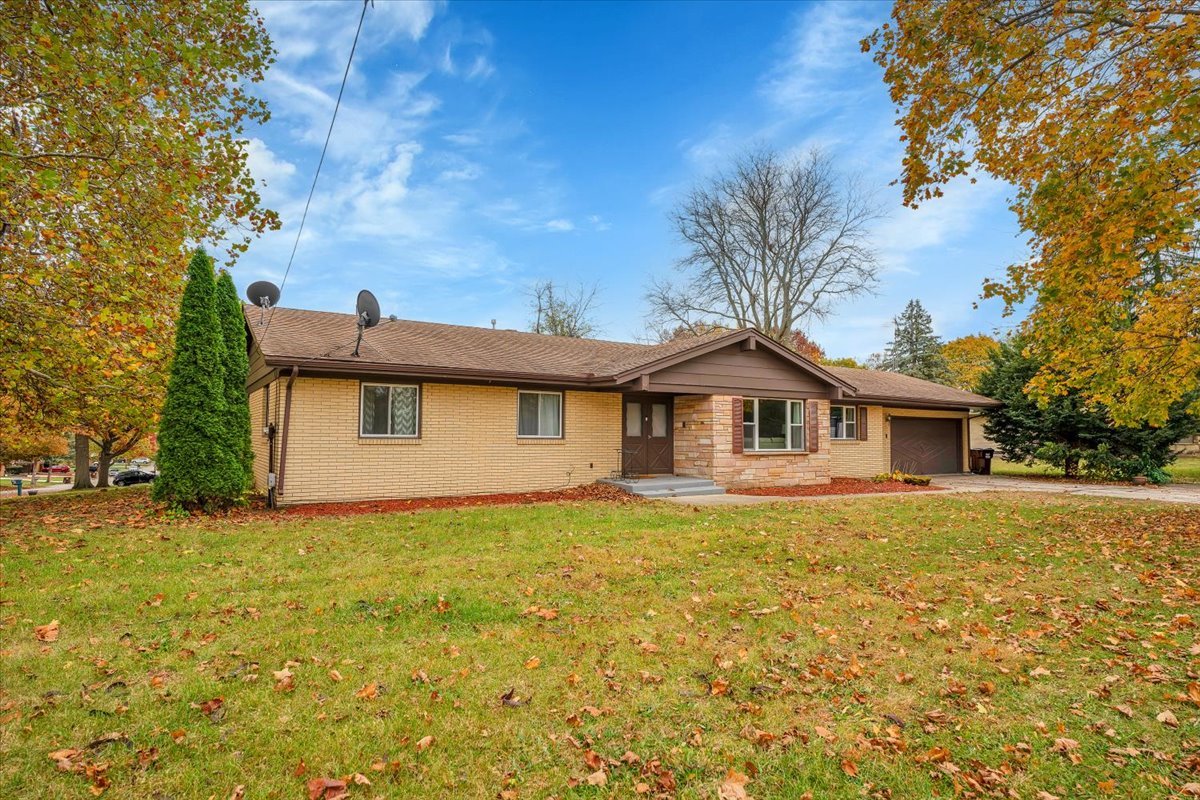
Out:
{"x": 647, "y": 446}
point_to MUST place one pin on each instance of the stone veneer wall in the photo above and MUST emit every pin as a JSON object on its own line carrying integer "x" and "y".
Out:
{"x": 704, "y": 448}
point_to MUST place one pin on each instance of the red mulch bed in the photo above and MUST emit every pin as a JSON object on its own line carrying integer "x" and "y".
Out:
{"x": 79, "y": 512}
{"x": 839, "y": 486}
{"x": 594, "y": 491}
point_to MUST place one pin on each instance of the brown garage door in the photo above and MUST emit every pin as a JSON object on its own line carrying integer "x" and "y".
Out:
{"x": 926, "y": 446}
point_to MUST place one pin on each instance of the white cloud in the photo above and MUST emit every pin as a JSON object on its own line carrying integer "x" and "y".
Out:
{"x": 324, "y": 31}
{"x": 598, "y": 223}
{"x": 481, "y": 69}
{"x": 560, "y": 225}
{"x": 465, "y": 172}
{"x": 465, "y": 139}
{"x": 907, "y": 232}
{"x": 822, "y": 51}
{"x": 409, "y": 19}
{"x": 467, "y": 55}
{"x": 266, "y": 167}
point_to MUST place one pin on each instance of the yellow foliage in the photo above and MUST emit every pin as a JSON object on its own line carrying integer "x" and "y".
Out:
{"x": 1092, "y": 111}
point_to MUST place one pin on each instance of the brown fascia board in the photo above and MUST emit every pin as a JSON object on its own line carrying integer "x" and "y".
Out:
{"x": 731, "y": 338}
{"x": 368, "y": 368}
{"x": 908, "y": 402}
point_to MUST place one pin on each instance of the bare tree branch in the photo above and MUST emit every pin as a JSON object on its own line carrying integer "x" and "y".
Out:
{"x": 563, "y": 312}
{"x": 771, "y": 244}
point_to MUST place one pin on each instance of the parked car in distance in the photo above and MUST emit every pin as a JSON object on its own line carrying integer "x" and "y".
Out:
{"x": 141, "y": 460}
{"x": 130, "y": 477}
{"x": 59, "y": 468}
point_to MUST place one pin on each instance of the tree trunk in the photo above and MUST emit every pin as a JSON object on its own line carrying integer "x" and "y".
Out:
{"x": 83, "y": 478}
{"x": 1071, "y": 467}
{"x": 105, "y": 461}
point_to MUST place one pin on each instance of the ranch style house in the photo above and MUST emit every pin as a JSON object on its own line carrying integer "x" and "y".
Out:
{"x": 426, "y": 409}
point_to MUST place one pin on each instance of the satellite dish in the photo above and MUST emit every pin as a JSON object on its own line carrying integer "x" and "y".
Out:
{"x": 367, "y": 309}
{"x": 263, "y": 294}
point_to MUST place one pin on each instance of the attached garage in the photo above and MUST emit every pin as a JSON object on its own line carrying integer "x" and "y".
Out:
{"x": 926, "y": 445}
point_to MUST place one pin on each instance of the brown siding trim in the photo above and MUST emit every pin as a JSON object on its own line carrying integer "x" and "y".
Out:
{"x": 746, "y": 391}
{"x": 909, "y": 402}
{"x": 287, "y": 426}
{"x": 860, "y": 417}
{"x": 542, "y": 385}
{"x": 734, "y": 337}
{"x": 813, "y": 426}
{"x": 739, "y": 420}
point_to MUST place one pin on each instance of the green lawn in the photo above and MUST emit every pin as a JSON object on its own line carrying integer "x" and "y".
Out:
{"x": 1184, "y": 470}
{"x": 899, "y": 647}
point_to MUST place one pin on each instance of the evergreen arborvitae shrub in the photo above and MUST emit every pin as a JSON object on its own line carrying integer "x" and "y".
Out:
{"x": 237, "y": 365}
{"x": 196, "y": 468}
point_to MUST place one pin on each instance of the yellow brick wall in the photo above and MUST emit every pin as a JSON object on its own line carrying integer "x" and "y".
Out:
{"x": 704, "y": 448}
{"x": 866, "y": 459}
{"x": 258, "y": 421}
{"x": 468, "y": 445}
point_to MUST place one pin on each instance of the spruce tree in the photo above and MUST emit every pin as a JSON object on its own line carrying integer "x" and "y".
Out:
{"x": 196, "y": 468}
{"x": 237, "y": 365}
{"x": 1069, "y": 432}
{"x": 914, "y": 349}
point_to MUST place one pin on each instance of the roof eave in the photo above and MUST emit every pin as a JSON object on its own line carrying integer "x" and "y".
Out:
{"x": 911, "y": 402}
{"x": 357, "y": 367}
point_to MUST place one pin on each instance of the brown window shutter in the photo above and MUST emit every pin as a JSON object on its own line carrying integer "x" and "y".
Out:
{"x": 861, "y": 417}
{"x": 813, "y": 426}
{"x": 737, "y": 425}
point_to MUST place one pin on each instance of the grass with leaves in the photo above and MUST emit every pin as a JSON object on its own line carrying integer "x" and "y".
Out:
{"x": 901, "y": 646}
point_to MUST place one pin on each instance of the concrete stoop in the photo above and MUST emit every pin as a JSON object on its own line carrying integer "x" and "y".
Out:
{"x": 663, "y": 486}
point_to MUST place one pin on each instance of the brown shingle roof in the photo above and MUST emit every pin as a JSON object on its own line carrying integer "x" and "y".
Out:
{"x": 295, "y": 335}
{"x": 322, "y": 338}
{"x": 877, "y": 385}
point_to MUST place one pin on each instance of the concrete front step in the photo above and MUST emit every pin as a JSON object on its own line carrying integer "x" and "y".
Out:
{"x": 697, "y": 491}
{"x": 667, "y": 486}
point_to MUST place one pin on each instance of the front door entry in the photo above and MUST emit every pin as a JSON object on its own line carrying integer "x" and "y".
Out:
{"x": 647, "y": 444}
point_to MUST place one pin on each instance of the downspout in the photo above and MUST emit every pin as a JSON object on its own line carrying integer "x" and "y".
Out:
{"x": 287, "y": 427}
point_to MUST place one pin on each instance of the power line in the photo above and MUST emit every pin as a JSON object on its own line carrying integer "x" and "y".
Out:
{"x": 320, "y": 162}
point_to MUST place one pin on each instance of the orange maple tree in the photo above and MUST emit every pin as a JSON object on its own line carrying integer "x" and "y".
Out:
{"x": 1091, "y": 110}
{"x": 108, "y": 166}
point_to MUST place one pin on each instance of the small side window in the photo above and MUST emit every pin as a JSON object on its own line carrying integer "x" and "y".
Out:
{"x": 386, "y": 410}
{"x": 843, "y": 422}
{"x": 539, "y": 415}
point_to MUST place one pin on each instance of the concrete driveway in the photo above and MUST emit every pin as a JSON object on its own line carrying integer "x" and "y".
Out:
{"x": 1171, "y": 493}
{"x": 968, "y": 484}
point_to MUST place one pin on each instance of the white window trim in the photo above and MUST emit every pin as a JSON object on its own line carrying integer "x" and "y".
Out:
{"x": 561, "y": 404}
{"x": 843, "y": 438}
{"x": 803, "y": 448}
{"x": 362, "y": 389}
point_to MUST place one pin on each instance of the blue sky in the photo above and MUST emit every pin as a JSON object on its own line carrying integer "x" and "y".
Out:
{"x": 483, "y": 146}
